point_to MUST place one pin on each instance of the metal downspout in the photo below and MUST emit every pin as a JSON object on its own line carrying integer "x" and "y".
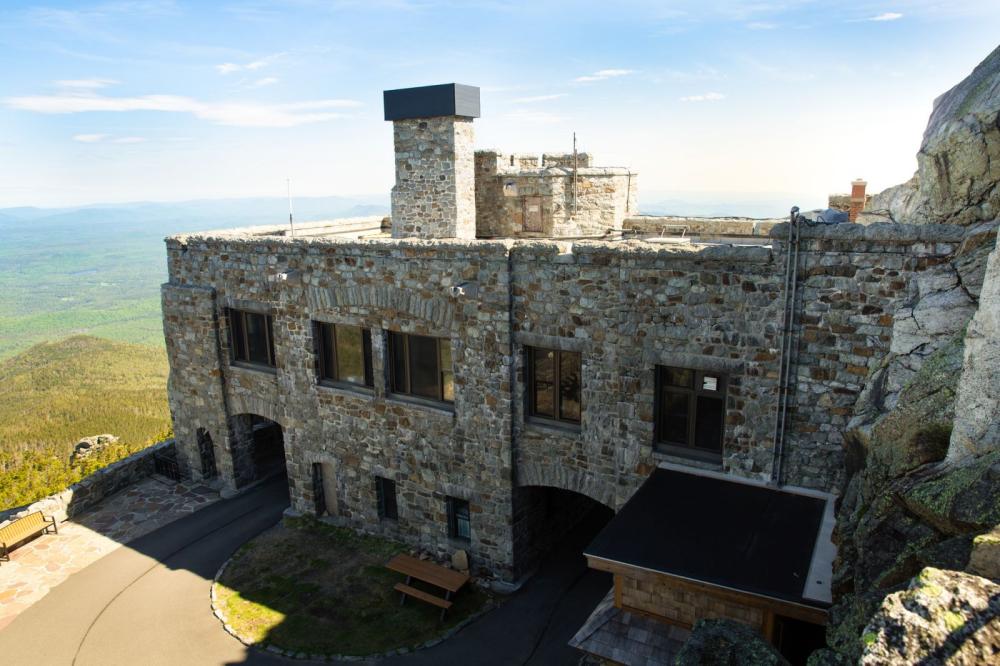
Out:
{"x": 785, "y": 353}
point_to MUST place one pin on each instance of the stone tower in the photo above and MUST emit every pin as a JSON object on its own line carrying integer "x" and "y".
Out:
{"x": 434, "y": 195}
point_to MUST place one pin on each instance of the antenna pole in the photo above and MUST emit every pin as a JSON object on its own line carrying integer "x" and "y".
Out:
{"x": 576, "y": 166}
{"x": 291, "y": 224}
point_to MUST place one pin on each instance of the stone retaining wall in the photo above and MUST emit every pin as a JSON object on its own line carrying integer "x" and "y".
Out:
{"x": 92, "y": 489}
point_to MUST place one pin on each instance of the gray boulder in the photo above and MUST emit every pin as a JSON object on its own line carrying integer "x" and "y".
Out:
{"x": 945, "y": 617}
{"x": 727, "y": 643}
{"x": 958, "y": 165}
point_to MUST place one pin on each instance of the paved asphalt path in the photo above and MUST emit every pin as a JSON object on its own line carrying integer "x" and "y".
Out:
{"x": 147, "y": 603}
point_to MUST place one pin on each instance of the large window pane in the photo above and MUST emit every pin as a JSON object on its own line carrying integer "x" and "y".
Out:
{"x": 543, "y": 381}
{"x": 674, "y": 418}
{"x": 569, "y": 386}
{"x": 236, "y": 328}
{"x": 679, "y": 377}
{"x": 423, "y": 365}
{"x": 366, "y": 343}
{"x": 257, "y": 347}
{"x": 350, "y": 354}
{"x": 708, "y": 423}
{"x": 328, "y": 352}
{"x": 447, "y": 375}
{"x": 397, "y": 349}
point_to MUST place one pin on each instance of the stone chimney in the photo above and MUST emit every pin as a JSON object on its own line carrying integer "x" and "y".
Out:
{"x": 857, "y": 199}
{"x": 434, "y": 195}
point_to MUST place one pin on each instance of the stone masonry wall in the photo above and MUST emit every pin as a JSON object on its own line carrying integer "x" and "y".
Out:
{"x": 854, "y": 283}
{"x": 434, "y": 195}
{"x": 605, "y": 196}
{"x": 625, "y": 306}
{"x": 431, "y": 452}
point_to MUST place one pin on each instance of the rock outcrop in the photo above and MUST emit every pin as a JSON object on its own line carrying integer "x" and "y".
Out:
{"x": 958, "y": 165}
{"x": 977, "y": 408}
{"x": 727, "y": 643}
{"x": 924, "y": 445}
{"x": 944, "y": 617}
{"x": 89, "y": 446}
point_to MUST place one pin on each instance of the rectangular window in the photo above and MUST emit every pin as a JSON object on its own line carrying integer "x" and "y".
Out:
{"x": 554, "y": 384}
{"x": 251, "y": 336}
{"x": 385, "y": 493}
{"x": 345, "y": 354}
{"x": 421, "y": 366}
{"x": 459, "y": 526}
{"x": 690, "y": 411}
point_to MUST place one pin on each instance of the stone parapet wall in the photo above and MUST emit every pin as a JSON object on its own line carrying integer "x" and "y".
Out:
{"x": 89, "y": 491}
{"x": 672, "y": 225}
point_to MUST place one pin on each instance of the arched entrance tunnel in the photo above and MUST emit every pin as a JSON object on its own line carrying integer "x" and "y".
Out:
{"x": 258, "y": 448}
{"x": 549, "y": 520}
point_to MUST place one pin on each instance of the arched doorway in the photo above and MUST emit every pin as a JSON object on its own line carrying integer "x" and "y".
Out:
{"x": 549, "y": 519}
{"x": 257, "y": 446}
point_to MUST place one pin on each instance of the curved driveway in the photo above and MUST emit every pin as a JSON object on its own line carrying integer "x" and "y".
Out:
{"x": 148, "y": 603}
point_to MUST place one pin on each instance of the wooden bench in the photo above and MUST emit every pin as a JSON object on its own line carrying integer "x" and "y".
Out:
{"x": 447, "y": 579}
{"x": 23, "y": 528}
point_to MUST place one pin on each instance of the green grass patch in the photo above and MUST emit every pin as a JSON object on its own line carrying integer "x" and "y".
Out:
{"x": 53, "y": 394}
{"x": 310, "y": 587}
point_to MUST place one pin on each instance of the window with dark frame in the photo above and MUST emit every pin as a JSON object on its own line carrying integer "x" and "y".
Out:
{"x": 420, "y": 366}
{"x": 251, "y": 337}
{"x": 554, "y": 384}
{"x": 345, "y": 354}
{"x": 459, "y": 524}
{"x": 385, "y": 493}
{"x": 690, "y": 411}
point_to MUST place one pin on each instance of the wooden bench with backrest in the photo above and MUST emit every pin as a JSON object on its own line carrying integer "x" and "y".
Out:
{"x": 23, "y": 528}
{"x": 447, "y": 579}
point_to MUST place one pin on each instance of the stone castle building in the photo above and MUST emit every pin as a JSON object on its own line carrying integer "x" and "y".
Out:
{"x": 516, "y": 341}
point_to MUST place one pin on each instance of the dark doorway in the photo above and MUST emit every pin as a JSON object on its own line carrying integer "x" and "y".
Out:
{"x": 796, "y": 639}
{"x": 206, "y": 451}
{"x": 258, "y": 448}
{"x": 544, "y": 515}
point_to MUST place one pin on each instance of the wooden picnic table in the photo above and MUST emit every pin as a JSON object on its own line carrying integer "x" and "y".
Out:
{"x": 447, "y": 579}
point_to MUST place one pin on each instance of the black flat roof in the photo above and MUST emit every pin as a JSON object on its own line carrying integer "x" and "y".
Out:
{"x": 729, "y": 533}
{"x": 447, "y": 99}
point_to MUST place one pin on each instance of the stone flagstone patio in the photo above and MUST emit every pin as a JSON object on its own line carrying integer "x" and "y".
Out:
{"x": 40, "y": 565}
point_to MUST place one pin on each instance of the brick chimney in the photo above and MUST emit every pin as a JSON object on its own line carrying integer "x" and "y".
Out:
{"x": 434, "y": 195}
{"x": 857, "y": 199}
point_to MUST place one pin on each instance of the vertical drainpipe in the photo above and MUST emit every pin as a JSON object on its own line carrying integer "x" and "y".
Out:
{"x": 787, "y": 340}
{"x": 512, "y": 384}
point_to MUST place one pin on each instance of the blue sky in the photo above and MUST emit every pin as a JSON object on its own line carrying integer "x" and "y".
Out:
{"x": 174, "y": 100}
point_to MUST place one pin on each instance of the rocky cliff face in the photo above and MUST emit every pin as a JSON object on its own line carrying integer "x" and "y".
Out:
{"x": 917, "y": 536}
{"x": 958, "y": 166}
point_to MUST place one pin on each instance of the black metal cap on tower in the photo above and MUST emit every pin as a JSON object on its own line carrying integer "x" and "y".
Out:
{"x": 448, "y": 99}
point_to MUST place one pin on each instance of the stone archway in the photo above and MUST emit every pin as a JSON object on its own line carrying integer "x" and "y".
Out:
{"x": 566, "y": 478}
{"x": 544, "y": 515}
{"x": 256, "y": 447}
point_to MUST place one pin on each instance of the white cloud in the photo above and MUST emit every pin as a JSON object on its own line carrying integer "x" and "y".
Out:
{"x": 85, "y": 84}
{"x": 230, "y": 67}
{"x": 537, "y": 98}
{"x": 240, "y": 114}
{"x": 603, "y": 74}
{"x": 260, "y": 83}
{"x": 886, "y": 16}
{"x": 707, "y": 97}
{"x": 106, "y": 138}
{"x": 90, "y": 138}
{"x": 761, "y": 25}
